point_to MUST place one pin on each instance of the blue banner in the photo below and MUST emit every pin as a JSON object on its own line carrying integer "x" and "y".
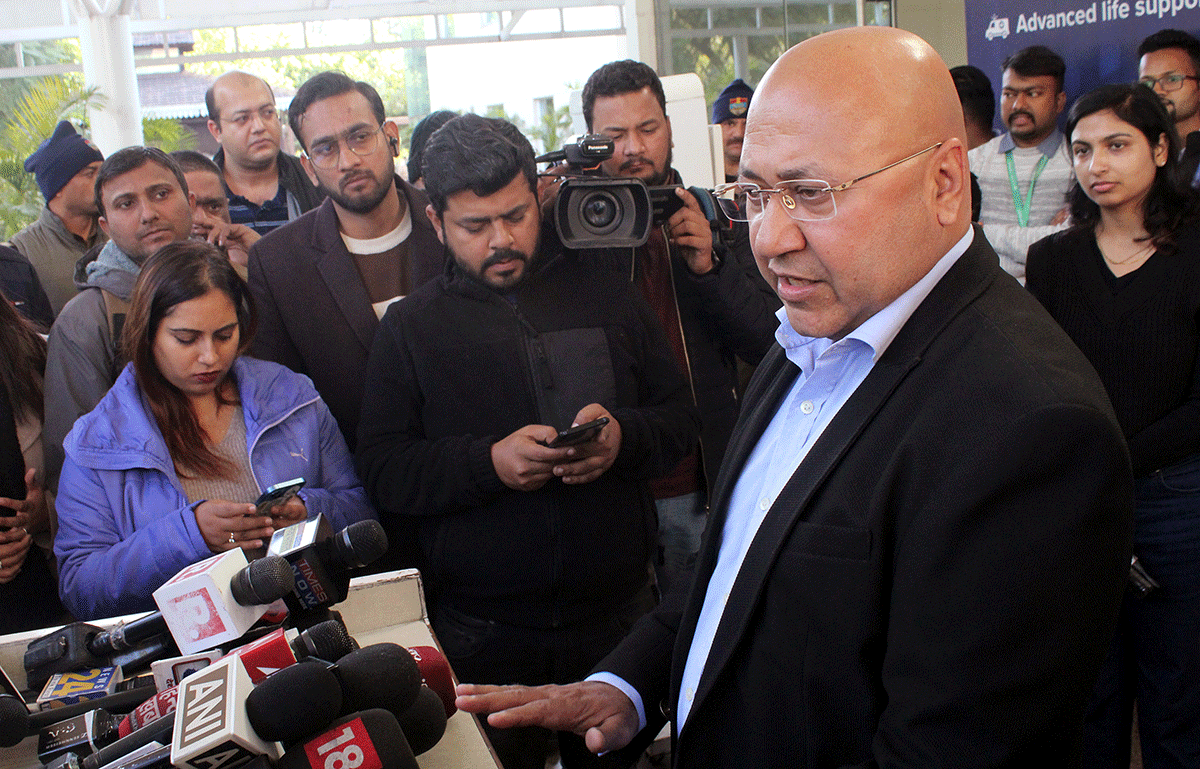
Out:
{"x": 1097, "y": 38}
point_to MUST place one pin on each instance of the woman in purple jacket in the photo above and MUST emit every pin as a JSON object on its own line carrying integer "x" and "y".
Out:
{"x": 163, "y": 472}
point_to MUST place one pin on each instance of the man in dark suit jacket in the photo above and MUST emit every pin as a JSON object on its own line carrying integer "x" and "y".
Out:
{"x": 323, "y": 281}
{"x": 921, "y": 530}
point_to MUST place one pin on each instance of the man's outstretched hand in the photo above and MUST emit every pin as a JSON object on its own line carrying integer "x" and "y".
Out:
{"x": 600, "y": 712}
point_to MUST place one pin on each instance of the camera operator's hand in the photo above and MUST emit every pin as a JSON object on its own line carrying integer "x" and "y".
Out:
{"x": 549, "y": 182}
{"x": 690, "y": 231}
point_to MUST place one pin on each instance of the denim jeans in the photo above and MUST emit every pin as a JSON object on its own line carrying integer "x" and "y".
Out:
{"x": 1155, "y": 657}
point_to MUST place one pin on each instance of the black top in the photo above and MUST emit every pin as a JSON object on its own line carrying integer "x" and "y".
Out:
{"x": 1141, "y": 332}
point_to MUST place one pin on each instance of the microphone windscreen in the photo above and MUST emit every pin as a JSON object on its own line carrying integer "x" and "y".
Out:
{"x": 293, "y": 703}
{"x": 14, "y": 721}
{"x": 424, "y": 722}
{"x": 263, "y": 581}
{"x": 326, "y": 640}
{"x": 371, "y": 739}
{"x": 360, "y": 543}
{"x": 382, "y": 675}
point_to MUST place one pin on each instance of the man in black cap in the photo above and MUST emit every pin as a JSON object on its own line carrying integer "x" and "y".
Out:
{"x": 65, "y": 166}
{"x": 729, "y": 112}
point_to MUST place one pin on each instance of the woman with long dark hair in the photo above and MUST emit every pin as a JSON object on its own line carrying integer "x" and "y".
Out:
{"x": 28, "y": 598}
{"x": 1124, "y": 282}
{"x": 164, "y": 471}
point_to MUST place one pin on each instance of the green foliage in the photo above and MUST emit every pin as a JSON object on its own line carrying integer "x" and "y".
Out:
{"x": 554, "y": 128}
{"x": 166, "y": 134}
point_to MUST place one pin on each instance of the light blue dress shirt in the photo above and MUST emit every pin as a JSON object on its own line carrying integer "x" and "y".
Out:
{"x": 830, "y": 372}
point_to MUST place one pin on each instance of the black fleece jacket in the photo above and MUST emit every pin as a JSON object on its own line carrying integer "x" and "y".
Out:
{"x": 454, "y": 368}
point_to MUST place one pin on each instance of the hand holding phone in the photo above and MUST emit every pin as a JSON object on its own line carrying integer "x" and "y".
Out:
{"x": 277, "y": 495}
{"x": 583, "y": 433}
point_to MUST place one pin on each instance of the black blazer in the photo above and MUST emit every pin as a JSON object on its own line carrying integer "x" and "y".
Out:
{"x": 937, "y": 584}
{"x": 314, "y": 315}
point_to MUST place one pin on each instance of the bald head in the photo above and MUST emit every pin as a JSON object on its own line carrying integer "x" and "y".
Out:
{"x": 893, "y": 142}
{"x": 243, "y": 119}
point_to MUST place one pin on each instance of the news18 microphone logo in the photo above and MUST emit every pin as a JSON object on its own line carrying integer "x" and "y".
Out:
{"x": 344, "y": 747}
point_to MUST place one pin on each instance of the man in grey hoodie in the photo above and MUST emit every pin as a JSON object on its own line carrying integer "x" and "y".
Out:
{"x": 144, "y": 204}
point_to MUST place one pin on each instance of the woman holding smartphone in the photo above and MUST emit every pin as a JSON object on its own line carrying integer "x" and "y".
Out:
{"x": 1124, "y": 282}
{"x": 165, "y": 470}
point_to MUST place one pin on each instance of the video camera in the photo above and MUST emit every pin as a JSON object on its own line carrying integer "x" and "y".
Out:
{"x": 595, "y": 211}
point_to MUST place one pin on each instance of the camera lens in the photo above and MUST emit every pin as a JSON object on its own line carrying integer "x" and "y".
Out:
{"x": 599, "y": 210}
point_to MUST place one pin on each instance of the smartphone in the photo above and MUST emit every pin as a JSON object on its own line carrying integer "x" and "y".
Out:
{"x": 664, "y": 202}
{"x": 578, "y": 434}
{"x": 277, "y": 495}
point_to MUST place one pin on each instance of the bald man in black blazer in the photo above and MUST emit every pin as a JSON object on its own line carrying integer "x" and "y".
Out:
{"x": 929, "y": 576}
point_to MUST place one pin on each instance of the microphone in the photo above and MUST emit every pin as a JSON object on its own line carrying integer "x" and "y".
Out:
{"x": 436, "y": 674}
{"x": 326, "y": 641}
{"x": 17, "y": 723}
{"x": 370, "y": 739}
{"x": 157, "y": 731}
{"x": 380, "y": 676}
{"x": 424, "y": 722}
{"x": 69, "y": 648}
{"x": 294, "y": 703}
{"x": 211, "y": 728}
{"x": 219, "y": 598}
{"x": 321, "y": 560}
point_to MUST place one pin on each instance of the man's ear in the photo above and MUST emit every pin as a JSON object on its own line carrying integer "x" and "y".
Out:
{"x": 436, "y": 221}
{"x": 308, "y": 169}
{"x": 104, "y": 226}
{"x": 952, "y": 190}
{"x": 214, "y": 128}
{"x": 392, "y": 134}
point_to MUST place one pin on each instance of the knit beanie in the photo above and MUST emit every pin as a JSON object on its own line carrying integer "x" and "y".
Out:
{"x": 420, "y": 135}
{"x": 734, "y": 101}
{"x": 59, "y": 158}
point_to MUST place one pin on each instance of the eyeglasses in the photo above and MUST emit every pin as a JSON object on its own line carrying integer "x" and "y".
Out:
{"x": 1172, "y": 81}
{"x": 361, "y": 141}
{"x": 806, "y": 200}
{"x": 268, "y": 114}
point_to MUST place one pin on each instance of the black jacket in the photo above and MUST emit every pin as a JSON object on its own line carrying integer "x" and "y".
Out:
{"x": 314, "y": 314}
{"x": 19, "y": 284}
{"x": 454, "y": 368}
{"x": 938, "y": 582}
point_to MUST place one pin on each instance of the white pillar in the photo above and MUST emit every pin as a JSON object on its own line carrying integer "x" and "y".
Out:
{"x": 106, "y": 43}
{"x": 640, "y": 34}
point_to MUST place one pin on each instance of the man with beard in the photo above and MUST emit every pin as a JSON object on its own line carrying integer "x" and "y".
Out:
{"x": 266, "y": 187}
{"x": 1170, "y": 63}
{"x": 536, "y": 555}
{"x": 323, "y": 281}
{"x": 1024, "y": 174}
{"x": 708, "y": 296}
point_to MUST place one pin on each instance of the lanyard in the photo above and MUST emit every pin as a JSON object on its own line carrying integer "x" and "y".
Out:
{"x": 1022, "y": 205}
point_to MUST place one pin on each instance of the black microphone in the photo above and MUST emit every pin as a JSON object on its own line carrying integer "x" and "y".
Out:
{"x": 294, "y": 703}
{"x": 81, "y": 646}
{"x": 424, "y": 722}
{"x": 370, "y": 739}
{"x": 17, "y": 723}
{"x": 380, "y": 676}
{"x": 321, "y": 561}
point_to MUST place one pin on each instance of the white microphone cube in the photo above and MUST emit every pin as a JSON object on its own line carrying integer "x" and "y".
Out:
{"x": 198, "y": 606}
